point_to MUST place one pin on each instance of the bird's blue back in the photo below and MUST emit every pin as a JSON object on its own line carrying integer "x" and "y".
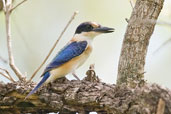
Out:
{"x": 67, "y": 53}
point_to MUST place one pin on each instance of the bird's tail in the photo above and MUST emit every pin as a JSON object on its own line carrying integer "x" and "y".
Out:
{"x": 45, "y": 77}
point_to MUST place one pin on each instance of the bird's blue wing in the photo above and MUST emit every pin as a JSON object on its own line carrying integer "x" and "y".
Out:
{"x": 67, "y": 53}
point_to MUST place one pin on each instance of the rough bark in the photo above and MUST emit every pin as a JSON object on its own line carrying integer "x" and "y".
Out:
{"x": 74, "y": 96}
{"x": 135, "y": 44}
{"x": 92, "y": 95}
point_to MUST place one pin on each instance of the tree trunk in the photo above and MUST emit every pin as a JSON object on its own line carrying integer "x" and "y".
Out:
{"x": 70, "y": 97}
{"x": 135, "y": 44}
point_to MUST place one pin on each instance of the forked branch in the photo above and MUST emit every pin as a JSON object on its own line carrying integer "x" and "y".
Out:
{"x": 7, "y": 11}
{"x": 13, "y": 8}
{"x": 7, "y": 75}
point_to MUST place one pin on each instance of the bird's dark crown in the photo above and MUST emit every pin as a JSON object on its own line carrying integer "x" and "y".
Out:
{"x": 92, "y": 27}
{"x": 84, "y": 27}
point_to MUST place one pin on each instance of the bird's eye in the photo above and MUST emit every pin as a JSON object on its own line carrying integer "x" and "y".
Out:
{"x": 89, "y": 27}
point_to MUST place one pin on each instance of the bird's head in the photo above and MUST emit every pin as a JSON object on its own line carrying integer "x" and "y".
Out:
{"x": 91, "y": 29}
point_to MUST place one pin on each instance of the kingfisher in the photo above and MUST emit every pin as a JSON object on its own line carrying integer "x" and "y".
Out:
{"x": 74, "y": 54}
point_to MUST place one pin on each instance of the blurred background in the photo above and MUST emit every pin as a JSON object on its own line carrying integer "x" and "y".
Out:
{"x": 36, "y": 25}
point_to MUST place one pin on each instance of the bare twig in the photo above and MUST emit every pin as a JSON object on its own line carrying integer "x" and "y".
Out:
{"x": 127, "y": 20}
{"x": 76, "y": 76}
{"x": 7, "y": 11}
{"x": 1, "y": 5}
{"x": 131, "y": 4}
{"x": 91, "y": 74}
{"x": 3, "y": 60}
{"x": 7, "y": 74}
{"x": 164, "y": 23}
{"x": 18, "y": 5}
{"x": 3, "y": 2}
{"x": 161, "y": 107}
{"x": 69, "y": 22}
{"x": 164, "y": 44}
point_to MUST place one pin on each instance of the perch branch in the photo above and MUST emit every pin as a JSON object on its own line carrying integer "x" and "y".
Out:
{"x": 69, "y": 22}
{"x": 78, "y": 96}
{"x": 7, "y": 74}
{"x": 7, "y": 12}
{"x": 12, "y": 9}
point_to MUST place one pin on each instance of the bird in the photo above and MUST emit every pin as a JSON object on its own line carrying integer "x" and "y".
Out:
{"x": 73, "y": 55}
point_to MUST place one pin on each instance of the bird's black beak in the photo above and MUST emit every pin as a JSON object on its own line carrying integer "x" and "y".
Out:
{"x": 102, "y": 29}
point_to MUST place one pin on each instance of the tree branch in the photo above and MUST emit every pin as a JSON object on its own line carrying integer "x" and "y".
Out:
{"x": 12, "y": 9}
{"x": 69, "y": 22}
{"x": 7, "y": 74}
{"x": 134, "y": 48}
{"x": 7, "y": 12}
{"x": 1, "y": 5}
{"x": 131, "y": 5}
{"x": 69, "y": 97}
